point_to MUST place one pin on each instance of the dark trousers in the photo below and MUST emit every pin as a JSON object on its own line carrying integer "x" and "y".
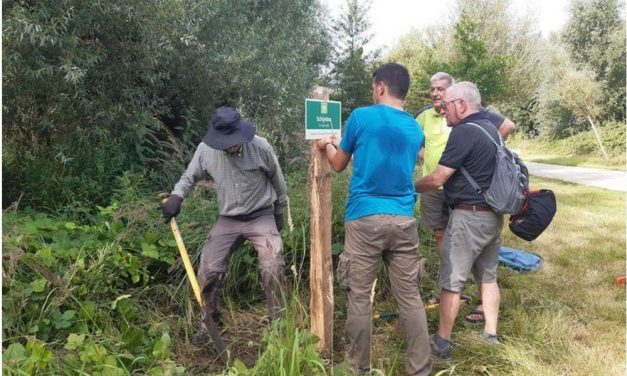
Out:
{"x": 225, "y": 237}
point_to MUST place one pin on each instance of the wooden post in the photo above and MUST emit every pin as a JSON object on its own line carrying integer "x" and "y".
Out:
{"x": 321, "y": 264}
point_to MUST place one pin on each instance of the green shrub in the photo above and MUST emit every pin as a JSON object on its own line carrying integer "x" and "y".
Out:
{"x": 67, "y": 292}
{"x": 579, "y": 149}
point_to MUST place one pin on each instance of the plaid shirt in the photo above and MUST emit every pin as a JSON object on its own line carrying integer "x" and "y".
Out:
{"x": 245, "y": 181}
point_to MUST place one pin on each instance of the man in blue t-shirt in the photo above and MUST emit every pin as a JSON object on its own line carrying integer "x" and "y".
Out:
{"x": 384, "y": 141}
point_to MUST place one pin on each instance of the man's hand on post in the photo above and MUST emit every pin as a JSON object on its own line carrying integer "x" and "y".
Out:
{"x": 171, "y": 208}
{"x": 278, "y": 218}
{"x": 322, "y": 143}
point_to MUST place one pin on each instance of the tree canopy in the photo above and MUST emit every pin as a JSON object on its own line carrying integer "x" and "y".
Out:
{"x": 93, "y": 89}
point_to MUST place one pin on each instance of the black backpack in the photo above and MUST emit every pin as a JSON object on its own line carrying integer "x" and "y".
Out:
{"x": 535, "y": 216}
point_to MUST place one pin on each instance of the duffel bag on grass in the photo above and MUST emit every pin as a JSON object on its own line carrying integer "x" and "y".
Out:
{"x": 536, "y": 216}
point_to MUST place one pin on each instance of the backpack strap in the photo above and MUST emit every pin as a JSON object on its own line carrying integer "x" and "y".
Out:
{"x": 472, "y": 181}
{"x": 489, "y": 136}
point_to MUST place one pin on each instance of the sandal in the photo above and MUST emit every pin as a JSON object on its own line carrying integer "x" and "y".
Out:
{"x": 435, "y": 300}
{"x": 475, "y": 316}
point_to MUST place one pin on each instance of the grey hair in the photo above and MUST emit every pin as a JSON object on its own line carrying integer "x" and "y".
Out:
{"x": 469, "y": 92}
{"x": 443, "y": 76}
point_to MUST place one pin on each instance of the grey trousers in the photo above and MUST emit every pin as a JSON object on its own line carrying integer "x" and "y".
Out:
{"x": 395, "y": 238}
{"x": 225, "y": 237}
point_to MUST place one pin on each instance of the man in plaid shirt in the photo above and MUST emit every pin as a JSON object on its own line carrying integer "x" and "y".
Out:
{"x": 252, "y": 195}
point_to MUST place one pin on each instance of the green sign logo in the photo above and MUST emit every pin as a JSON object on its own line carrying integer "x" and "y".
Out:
{"x": 322, "y": 119}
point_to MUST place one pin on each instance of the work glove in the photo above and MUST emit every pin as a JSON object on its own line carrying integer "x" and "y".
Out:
{"x": 171, "y": 208}
{"x": 278, "y": 218}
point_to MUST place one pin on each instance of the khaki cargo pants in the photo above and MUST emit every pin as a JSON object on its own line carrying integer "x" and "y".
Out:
{"x": 225, "y": 237}
{"x": 395, "y": 238}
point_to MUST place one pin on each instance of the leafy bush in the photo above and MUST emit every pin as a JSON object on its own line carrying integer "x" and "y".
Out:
{"x": 67, "y": 295}
{"x": 96, "y": 89}
{"x": 580, "y": 149}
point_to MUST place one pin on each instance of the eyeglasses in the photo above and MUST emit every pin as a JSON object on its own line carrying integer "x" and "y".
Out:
{"x": 443, "y": 103}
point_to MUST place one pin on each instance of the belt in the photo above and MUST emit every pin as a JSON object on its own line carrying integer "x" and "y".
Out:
{"x": 473, "y": 208}
{"x": 253, "y": 215}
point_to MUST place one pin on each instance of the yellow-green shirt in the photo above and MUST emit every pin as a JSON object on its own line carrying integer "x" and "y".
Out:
{"x": 436, "y": 135}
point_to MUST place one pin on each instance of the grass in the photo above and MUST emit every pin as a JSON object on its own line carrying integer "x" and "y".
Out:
{"x": 566, "y": 319}
{"x": 578, "y": 150}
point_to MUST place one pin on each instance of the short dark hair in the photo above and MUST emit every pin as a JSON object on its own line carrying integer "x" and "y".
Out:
{"x": 395, "y": 76}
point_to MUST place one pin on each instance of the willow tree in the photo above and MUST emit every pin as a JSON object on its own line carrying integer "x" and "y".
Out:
{"x": 95, "y": 89}
{"x": 578, "y": 90}
{"x": 595, "y": 38}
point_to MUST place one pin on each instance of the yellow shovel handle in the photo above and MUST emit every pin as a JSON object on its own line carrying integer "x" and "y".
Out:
{"x": 184, "y": 256}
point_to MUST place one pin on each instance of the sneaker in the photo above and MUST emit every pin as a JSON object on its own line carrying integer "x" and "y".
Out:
{"x": 490, "y": 338}
{"x": 443, "y": 353}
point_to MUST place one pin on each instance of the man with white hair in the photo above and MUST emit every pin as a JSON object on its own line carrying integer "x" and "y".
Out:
{"x": 434, "y": 213}
{"x": 473, "y": 234}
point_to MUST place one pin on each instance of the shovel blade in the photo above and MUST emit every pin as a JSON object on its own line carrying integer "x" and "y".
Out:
{"x": 217, "y": 340}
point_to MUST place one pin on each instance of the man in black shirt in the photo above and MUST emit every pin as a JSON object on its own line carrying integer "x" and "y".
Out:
{"x": 473, "y": 234}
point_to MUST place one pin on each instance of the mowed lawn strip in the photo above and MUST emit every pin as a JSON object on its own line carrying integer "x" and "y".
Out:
{"x": 566, "y": 319}
{"x": 578, "y": 150}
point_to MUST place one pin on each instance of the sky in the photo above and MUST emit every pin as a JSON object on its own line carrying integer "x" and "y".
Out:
{"x": 395, "y": 18}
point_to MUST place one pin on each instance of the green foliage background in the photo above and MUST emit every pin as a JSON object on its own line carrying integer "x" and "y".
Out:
{"x": 104, "y": 102}
{"x": 93, "y": 89}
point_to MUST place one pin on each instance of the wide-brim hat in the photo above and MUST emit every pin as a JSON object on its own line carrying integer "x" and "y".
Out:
{"x": 226, "y": 128}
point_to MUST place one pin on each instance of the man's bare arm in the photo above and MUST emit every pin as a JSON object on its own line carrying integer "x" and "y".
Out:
{"x": 338, "y": 158}
{"x": 435, "y": 179}
{"x": 507, "y": 127}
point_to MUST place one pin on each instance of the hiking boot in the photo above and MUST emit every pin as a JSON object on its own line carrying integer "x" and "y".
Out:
{"x": 440, "y": 348}
{"x": 490, "y": 338}
{"x": 201, "y": 334}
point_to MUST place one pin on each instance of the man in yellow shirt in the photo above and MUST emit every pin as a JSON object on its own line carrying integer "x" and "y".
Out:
{"x": 434, "y": 213}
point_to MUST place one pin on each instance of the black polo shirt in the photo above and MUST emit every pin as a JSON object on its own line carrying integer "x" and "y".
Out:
{"x": 493, "y": 117}
{"x": 470, "y": 148}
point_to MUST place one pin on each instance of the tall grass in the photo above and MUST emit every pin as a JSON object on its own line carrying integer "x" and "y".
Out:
{"x": 566, "y": 319}
{"x": 290, "y": 349}
{"x": 577, "y": 150}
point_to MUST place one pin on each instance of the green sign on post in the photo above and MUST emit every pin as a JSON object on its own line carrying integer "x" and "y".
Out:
{"x": 322, "y": 119}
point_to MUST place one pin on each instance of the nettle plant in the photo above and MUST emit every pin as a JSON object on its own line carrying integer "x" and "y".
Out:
{"x": 68, "y": 295}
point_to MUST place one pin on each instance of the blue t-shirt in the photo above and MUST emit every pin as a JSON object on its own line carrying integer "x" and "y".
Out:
{"x": 384, "y": 142}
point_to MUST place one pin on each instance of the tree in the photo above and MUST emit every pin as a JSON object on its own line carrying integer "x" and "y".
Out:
{"x": 595, "y": 38}
{"x": 484, "y": 43}
{"x": 578, "y": 91}
{"x": 511, "y": 35}
{"x": 473, "y": 62}
{"x": 352, "y": 73}
{"x": 469, "y": 60}
{"x": 95, "y": 89}
{"x": 588, "y": 32}
{"x": 423, "y": 53}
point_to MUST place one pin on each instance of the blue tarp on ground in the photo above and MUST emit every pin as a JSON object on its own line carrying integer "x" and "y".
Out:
{"x": 519, "y": 260}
